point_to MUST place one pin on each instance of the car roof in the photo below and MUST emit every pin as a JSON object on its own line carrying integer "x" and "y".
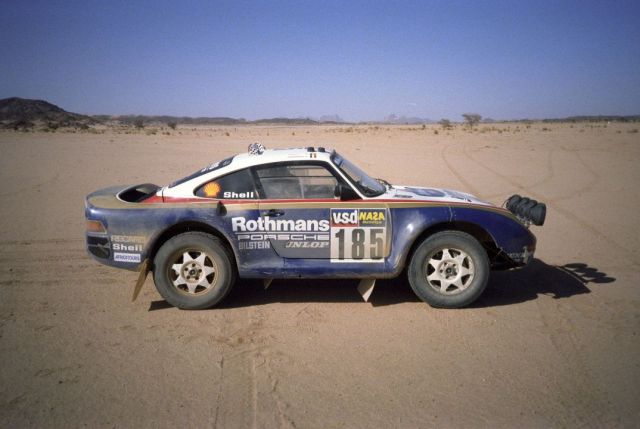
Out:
{"x": 269, "y": 156}
{"x": 244, "y": 160}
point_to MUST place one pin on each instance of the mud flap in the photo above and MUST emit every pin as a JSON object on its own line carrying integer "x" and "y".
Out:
{"x": 144, "y": 270}
{"x": 366, "y": 288}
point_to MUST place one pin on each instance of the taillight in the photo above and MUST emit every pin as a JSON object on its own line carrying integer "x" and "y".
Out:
{"x": 96, "y": 226}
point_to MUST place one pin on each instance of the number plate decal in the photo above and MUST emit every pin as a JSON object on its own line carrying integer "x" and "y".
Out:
{"x": 358, "y": 235}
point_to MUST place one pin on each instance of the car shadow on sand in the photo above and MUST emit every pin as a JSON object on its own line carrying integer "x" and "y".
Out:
{"x": 538, "y": 278}
{"x": 504, "y": 288}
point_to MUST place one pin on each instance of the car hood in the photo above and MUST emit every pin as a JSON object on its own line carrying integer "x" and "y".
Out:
{"x": 416, "y": 193}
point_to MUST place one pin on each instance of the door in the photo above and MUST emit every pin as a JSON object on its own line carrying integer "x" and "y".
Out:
{"x": 296, "y": 206}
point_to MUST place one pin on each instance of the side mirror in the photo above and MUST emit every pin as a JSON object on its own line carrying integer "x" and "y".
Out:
{"x": 345, "y": 193}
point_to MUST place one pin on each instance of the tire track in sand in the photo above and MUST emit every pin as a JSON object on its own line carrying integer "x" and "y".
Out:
{"x": 565, "y": 212}
{"x": 460, "y": 177}
{"x": 559, "y": 326}
{"x": 585, "y": 403}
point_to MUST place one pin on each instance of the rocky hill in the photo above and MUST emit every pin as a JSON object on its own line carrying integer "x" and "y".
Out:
{"x": 19, "y": 113}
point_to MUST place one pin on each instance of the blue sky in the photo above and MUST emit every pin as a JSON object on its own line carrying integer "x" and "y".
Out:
{"x": 360, "y": 60}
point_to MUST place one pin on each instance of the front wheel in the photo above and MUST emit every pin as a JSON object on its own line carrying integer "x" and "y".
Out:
{"x": 449, "y": 269}
{"x": 193, "y": 271}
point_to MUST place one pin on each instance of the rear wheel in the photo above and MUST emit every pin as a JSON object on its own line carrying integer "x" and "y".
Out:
{"x": 193, "y": 271}
{"x": 449, "y": 269}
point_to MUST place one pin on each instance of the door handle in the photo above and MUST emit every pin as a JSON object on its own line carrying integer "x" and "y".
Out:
{"x": 273, "y": 213}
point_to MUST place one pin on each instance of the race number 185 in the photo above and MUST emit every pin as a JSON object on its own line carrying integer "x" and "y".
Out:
{"x": 357, "y": 243}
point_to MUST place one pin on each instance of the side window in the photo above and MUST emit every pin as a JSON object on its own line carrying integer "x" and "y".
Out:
{"x": 238, "y": 185}
{"x": 297, "y": 182}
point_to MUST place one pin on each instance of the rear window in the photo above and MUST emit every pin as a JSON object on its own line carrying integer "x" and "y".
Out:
{"x": 207, "y": 169}
{"x": 236, "y": 185}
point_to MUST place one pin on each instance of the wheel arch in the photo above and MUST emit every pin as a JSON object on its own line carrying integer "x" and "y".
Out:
{"x": 189, "y": 226}
{"x": 476, "y": 231}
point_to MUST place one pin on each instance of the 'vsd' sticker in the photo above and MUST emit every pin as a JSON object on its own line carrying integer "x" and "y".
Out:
{"x": 344, "y": 217}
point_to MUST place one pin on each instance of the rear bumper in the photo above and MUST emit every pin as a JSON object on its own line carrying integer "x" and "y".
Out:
{"x": 118, "y": 245}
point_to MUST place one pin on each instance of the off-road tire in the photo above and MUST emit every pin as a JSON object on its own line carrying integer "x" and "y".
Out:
{"x": 193, "y": 271}
{"x": 449, "y": 269}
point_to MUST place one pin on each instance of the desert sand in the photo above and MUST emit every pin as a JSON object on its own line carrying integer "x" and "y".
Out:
{"x": 554, "y": 345}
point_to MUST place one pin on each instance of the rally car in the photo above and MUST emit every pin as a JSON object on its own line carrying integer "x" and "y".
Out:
{"x": 305, "y": 213}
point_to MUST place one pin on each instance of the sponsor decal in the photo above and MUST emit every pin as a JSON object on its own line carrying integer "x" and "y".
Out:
{"x": 283, "y": 237}
{"x": 349, "y": 218}
{"x": 253, "y": 245}
{"x": 358, "y": 235}
{"x": 127, "y": 247}
{"x": 126, "y": 257}
{"x": 372, "y": 217}
{"x": 242, "y": 224}
{"x": 344, "y": 218}
{"x": 210, "y": 167}
{"x": 211, "y": 189}
{"x": 426, "y": 192}
{"x": 128, "y": 239}
{"x": 128, "y": 243}
{"x": 307, "y": 244}
{"x": 241, "y": 195}
{"x": 308, "y": 235}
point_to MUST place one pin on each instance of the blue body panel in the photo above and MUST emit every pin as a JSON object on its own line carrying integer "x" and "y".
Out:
{"x": 308, "y": 235}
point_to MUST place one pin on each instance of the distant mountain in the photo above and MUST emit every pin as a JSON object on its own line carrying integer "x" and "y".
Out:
{"x": 286, "y": 121}
{"x": 596, "y": 118}
{"x": 395, "y": 119}
{"x": 15, "y": 112}
{"x": 165, "y": 119}
{"x": 331, "y": 118}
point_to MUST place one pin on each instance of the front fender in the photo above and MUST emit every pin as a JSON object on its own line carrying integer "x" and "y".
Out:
{"x": 514, "y": 240}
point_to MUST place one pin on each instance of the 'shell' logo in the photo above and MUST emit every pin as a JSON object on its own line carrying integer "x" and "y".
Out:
{"x": 211, "y": 189}
{"x": 344, "y": 217}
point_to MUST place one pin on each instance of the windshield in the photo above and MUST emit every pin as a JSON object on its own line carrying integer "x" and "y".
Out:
{"x": 368, "y": 186}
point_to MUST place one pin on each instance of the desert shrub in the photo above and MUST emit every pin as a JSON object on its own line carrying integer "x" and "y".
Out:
{"x": 445, "y": 123}
{"x": 20, "y": 125}
{"x": 226, "y": 133}
{"x": 435, "y": 132}
{"x": 138, "y": 123}
{"x": 172, "y": 124}
{"x": 471, "y": 119}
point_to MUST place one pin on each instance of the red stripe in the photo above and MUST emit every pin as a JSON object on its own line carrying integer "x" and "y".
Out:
{"x": 181, "y": 200}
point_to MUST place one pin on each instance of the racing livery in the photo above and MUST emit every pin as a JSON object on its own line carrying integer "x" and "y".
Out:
{"x": 310, "y": 213}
